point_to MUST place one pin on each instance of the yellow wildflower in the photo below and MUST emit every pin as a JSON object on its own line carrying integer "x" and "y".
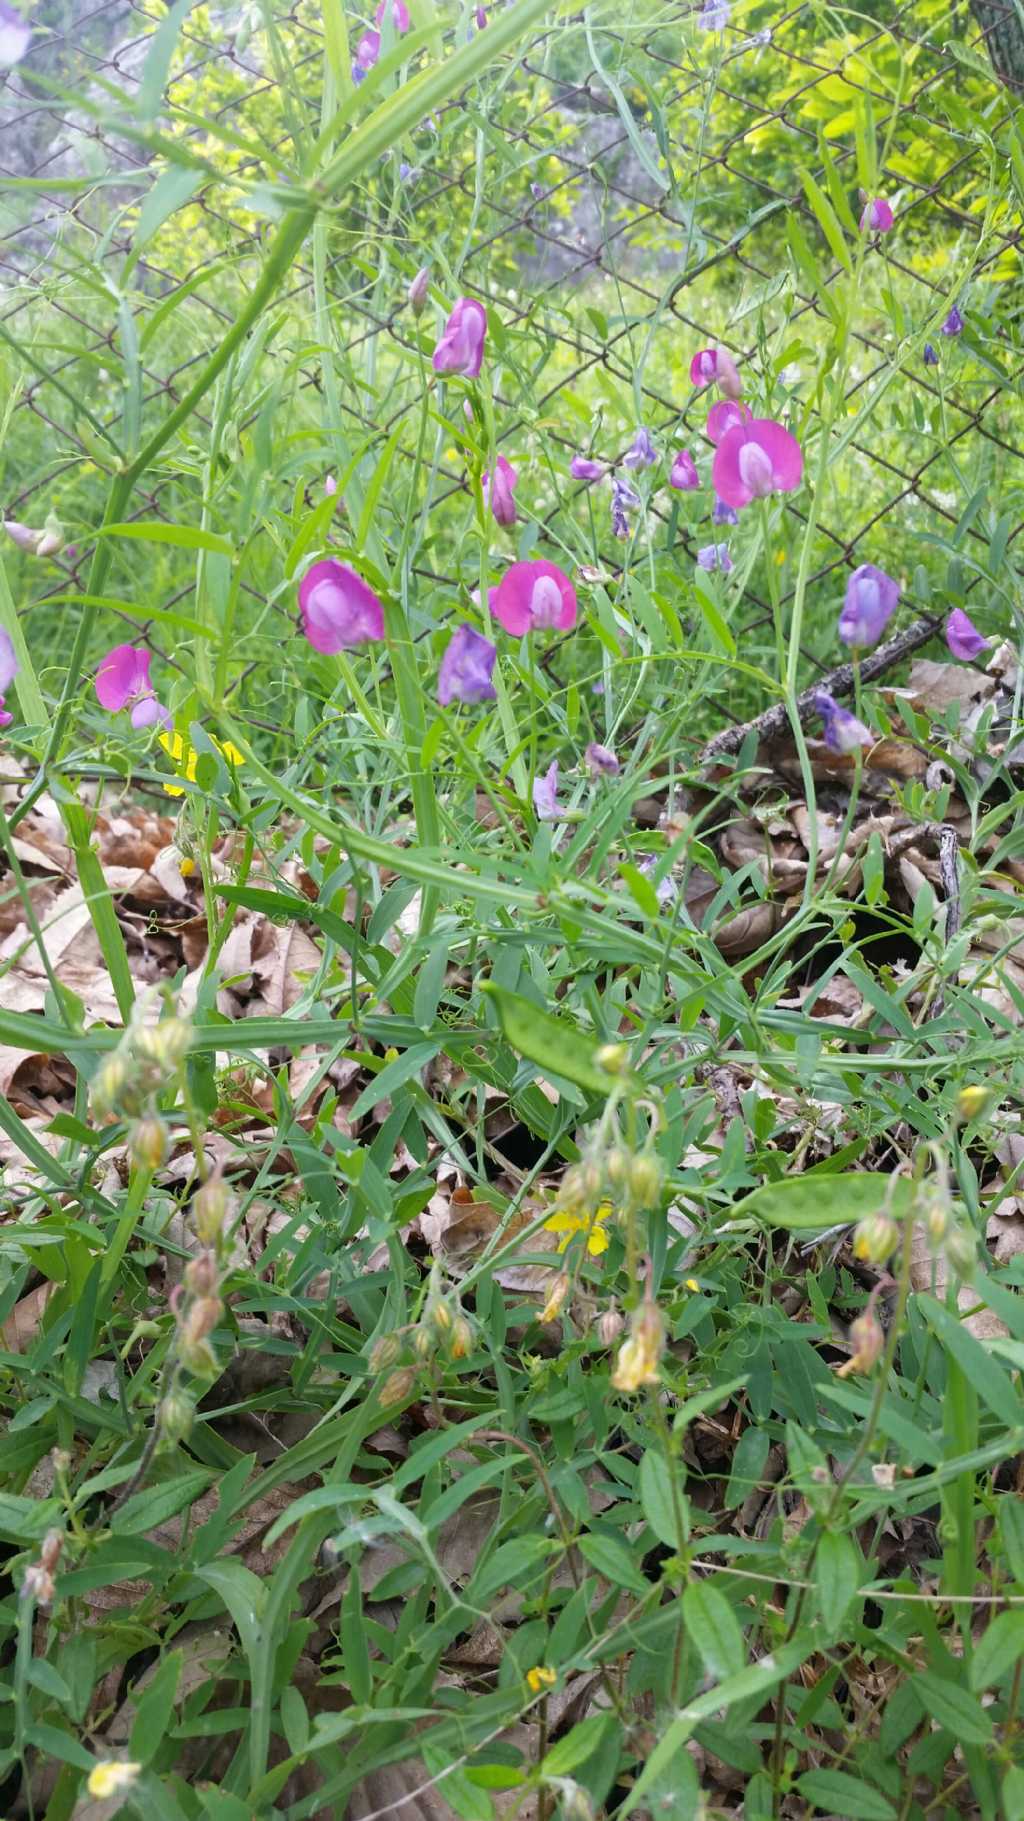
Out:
{"x": 175, "y": 748}
{"x": 591, "y": 1223}
{"x": 540, "y": 1677}
{"x": 971, "y": 1101}
{"x": 110, "y": 1777}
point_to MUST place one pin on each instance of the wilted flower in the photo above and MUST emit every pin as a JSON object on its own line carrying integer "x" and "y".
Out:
{"x": 963, "y": 638}
{"x": 15, "y": 36}
{"x": 545, "y": 794}
{"x": 713, "y": 366}
{"x": 954, "y": 323}
{"x": 715, "y": 16}
{"x": 727, "y": 414}
{"x": 499, "y": 490}
{"x": 641, "y": 453}
{"x": 842, "y": 731}
{"x": 755, "y": 459}
{"x": 8, "y": 671}
{"x": 877, "y": 216}
{"x": 123, "y": 677}
{"x": 602, "y": 760}
{"x": 684, "y": 474}
{"x": 640, "y": 1354}
{"x": 556, "y": 1296}
{"x": 461, "y": 347}
{"x": 714, "y": 556}
{"x": 339, "y": 610}
{"x": 466, "y": 668}
{"x": 417, "y": 292}
{"x": 609, "y": 1326}
{"x": 868, "y": 1345}
{"x": 49, "y": 540}
{"x": 624, "y": 499}
{"x": 582, "y": 468}
{"x": 871, "y": 598}
{"x": 721, "y": 514}
{"x": 533, "y": 595}
{"x": 931, "y": 358}
{"x": 111, "y": 1777}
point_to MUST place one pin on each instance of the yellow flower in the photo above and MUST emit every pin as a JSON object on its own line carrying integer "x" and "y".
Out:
{"x": 174, "y": 747}
{"x": 638, "y": 1359}
{"x": 591, "y": 1224}
{"x": 971, "y": 1101}
{"x": 109, "y": 1778}
{"x": 540, "y": 1677}
{"x": 692, "y": 1284}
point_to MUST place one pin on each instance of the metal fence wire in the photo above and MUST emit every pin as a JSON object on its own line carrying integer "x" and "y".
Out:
{"x": 633, "y": 185}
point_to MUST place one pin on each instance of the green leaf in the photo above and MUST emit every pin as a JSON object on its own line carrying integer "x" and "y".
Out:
{"x": 999, "y": 1649}
{"x": 953, "y": 1707}
{"x": 578, "y": 1745}
{"x": 553, "y": 1043}
{"x": 747, "y": 1467}
{"x": 154, "y": 531}
{"x": 809, "y": 1204}
{"x": 827, "y": 221}
{"x": 840, "y": 1794}
{"x": 154, "y": 1710}
{"x": 158, "y": 60}
{"x": 656, "y": 1498}
{"x": 25, "y": 1519}
{"x": 1013, "y": 1794}
{"x": 613, "y": 1560}
{"x": 145, "y": 1510}
{"x": 992, "y": 1384}
{"x": 715, "y": 1630}
{"x": 838, "y": 1576}
{"x": 243, "y": 1594}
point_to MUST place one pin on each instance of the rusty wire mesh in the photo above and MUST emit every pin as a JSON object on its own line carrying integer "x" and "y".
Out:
{"x": 563, "y": 222}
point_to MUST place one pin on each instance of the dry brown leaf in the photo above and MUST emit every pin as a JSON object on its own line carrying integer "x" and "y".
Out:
{"x": 22, "y": 1325}
{"x": 933, "y": 686}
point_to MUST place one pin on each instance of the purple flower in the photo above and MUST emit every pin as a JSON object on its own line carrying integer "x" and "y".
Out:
{"x": 481, "y": 18}
{"x": 713, "y": 366}
{"x": 399, "y": 15}
{"x": 954, "y": 323}
{"x": 684, "y": 474}
{"x": 417, "y": 292}
{"x": 842, "y": 731}
{"x": 545, "y": 794}
{"x": 624, "y": 500}
{"x": 715, "y": 16}
{"x": 532, "y": 595}
{"x": 871, "y": 598}
{"x": 877, "y": 217}
{"x": 461, "y": 347}
{"x": 466, "y": 667}
{"x": 330, "y": 486}
{"x": 9, "y": 668}
{"x": 499, "y": 489}
{"x": 665, "y": 890}
{"x": 931, "y": 359}
{"x": 726, "y": 415}
{"x": 339, "y": 610}
{"x": 715, "y": 556}
{"x": 602, "y": 760}
{"x": 404, "y": 171}
{"x": 358, "y": 74}
{"x": 123, "y": 678}
{"x": 582, "y": 468}
{"x": 642, "y": 453}
{"x": 755, "y": 459}
{"x": 963, "y": 638}
{"x": 367, "y": 51}
{"x": 721, "y": 514}
{"x": 15, "y": 37}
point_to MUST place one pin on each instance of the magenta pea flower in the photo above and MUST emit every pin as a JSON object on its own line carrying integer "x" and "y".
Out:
{"x": 684, "y": 474}
{"x": 714, "y": 367}
{"x": 123, "y": 678}
{"x": 534, "y": 595}
{"x": 963, "y": 638}
{"x": 339, "y": 610}
{"x": 954, "y": 323}
{"x": 931, "y": 358}
{"x": 641, "y": 453}
{"x": 419, "y": 290}
{"x": 367, "y": 53}
{"x": 582, "y": 468}
{"x": 399, "y": 15}
{"x": 602, "y": 761}
{"x": 545, "y": 794}
{"x": 714, "y": 556}
{"x": 9, "y": 668}
{"x": 499, "y": 489}
{"x": 15, "y": 36}
{"x": 726, "y": 415}
{"x": 877, "y": 216}
{"x": 871, "y": 599}
{"x": 466, "y": 668}
{"x": 461, "y": 347}
{"x": 842, "y": 731}
{"x": 755, "y": 459}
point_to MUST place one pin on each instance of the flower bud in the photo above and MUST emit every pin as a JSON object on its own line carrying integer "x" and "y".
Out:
{"x": 384, "y": 1353}
{"x": 556, "y": 1296}
{"x": 875, "y": 1238}
{"x": 440, "y": 1314}
{"x": 176, "y": 1414}
{"x": 423, "y": 1343}
{"x": 645, "y": 1180}
{"x": 961, "y": 1250}
{"x": 51, "y": 543}
{"x": 971, "y": 1102}
{"x": 22, "y": 535}
{"x": 613, "y": 1058}
{"x": 610, "y": 1326}
{"x": 50, "y": 1548}
{"x": 201, "y": 1319}
{"x": 109, "y": 1082}
{"x": 167, "y": 1043}
{"x": 211, "y": 1207}
{"x": 572, "y": 1190}
{"x": 868, "y": 1345}
{"x": 461, "y": 1345}
{"x": 201, "y": 1276}
{"x": 419, "y": 290}
{"x": 936, "y": 1218}
{"x": 618, "y": 1164}
{"x": 147, "y": 1143}
{"x": 397, "y": 1387}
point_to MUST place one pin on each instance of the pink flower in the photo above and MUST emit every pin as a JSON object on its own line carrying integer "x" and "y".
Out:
{"x": 330, "y": 485}
{"x": 532, "y": 595}
{"x": 871, "y": 601}
{"x": 602, "y": 761}
{"x": 755, "y": 459}
{"x": 877, "y": 217}
{"x": 499, "y": 489}
{"x": 684, "y": 474}
{"x": 367, "y": 52}
{"x": 962, "y": 636}
{"x": 419, "y": 291}
{"x": 9, "y": 668}
{"x": 545, "y": 794}
{"x": 584, "y": 468}
{"x": 339, "y": 610}
{"x": 461, "y": 347}
{"x": 123, "y": 678}
{"x": 725, "y": 416}
{"x": 466, "y": 668}
{"x": 15, "y": 37}
{"x": 399, "y": 15}
{"x": 714, "y": 367}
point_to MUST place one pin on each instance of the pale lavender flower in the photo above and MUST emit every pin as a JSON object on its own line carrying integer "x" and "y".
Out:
{"x": 545, "y": 794}
{"x": 602, "y": 760}
{"x": 15, "y": 36}
{"x": 715, "y": 16}
{"x": 842, "y": 731}
{"x": 723, "y": 514}
{"x": 582, "y": 468}
{"x": 466, "y": 668}
{"x": 624, "y": 500}
{"x": 418, "y": 291}
{"x": 715, "y": 556}
{"x": 963, "y": 638}
{"x": 871, "y": 598}
{"x": 642, "y": 453}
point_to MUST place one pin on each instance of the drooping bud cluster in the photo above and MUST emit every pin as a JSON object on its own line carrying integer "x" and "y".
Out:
{"x": 38, "y": 1583}
{"x": 875, "y": 1238}
{"x": 640, "y": 1353}
{"x": 868, "y": 1341}
{"x": 129, "y": 1082}
{"x": 397, "y": 1358}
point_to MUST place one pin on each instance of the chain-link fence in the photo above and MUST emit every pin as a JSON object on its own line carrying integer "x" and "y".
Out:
{"x": 632, "y": 188}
